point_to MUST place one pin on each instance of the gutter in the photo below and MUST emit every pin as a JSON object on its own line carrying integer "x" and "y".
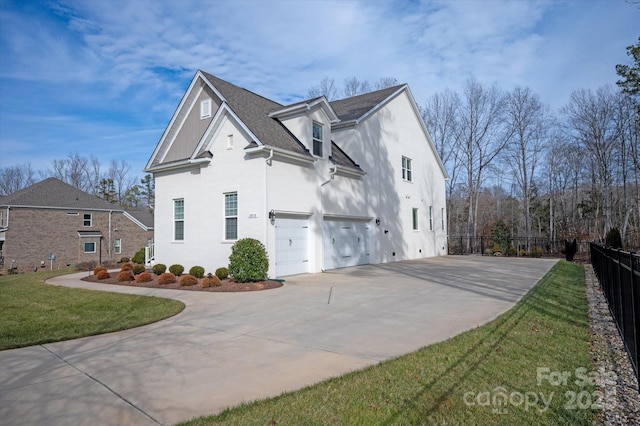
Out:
{"x": 280, "y": 151}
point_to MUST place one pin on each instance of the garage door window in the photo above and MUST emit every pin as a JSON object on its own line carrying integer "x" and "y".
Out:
{"x": 231, "y": 216}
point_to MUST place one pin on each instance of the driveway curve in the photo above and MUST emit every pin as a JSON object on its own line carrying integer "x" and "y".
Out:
{"x": 226, "y": 348}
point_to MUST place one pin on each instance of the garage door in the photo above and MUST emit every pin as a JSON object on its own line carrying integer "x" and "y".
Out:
{"x": 292, "y": 250}
{"x": 346, "y": 243}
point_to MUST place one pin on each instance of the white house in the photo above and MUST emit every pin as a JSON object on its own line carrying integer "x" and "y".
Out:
{"x": 321, "y": 184}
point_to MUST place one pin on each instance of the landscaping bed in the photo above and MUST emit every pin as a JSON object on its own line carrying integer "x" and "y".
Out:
{"x": 227, "y": 284}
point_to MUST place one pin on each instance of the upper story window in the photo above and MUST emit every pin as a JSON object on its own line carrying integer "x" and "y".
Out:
{"x": 317, "y": 139}
{"x": 231, "y": 216}
{"x": 406, "y": 169}
{"x": 86, "y": 220}
{"x": 178, "y": 219}
{"x": 205, "y": 109}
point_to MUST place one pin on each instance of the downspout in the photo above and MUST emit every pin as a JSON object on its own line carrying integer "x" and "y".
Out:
{"x": 267, "y": 163}
{"x": 109, "y": 249}
{"x": 331, "y": 175}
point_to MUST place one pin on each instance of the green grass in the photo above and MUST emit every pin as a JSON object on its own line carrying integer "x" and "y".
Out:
{"x": 548, "y": 328}
{"x": 32, "y": 312}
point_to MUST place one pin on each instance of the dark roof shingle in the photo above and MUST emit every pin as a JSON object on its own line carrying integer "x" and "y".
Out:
{"x": 352, "y": 108}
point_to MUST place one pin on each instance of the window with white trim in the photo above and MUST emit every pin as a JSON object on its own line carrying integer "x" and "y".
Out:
{"x": 442, "y": 214}
{"x": 178, "y": 219}
{"x": 90, "y": 247}
{"x": 430, "y": 218}
{"x": 86, "y": 220}
{"x": 231, "y": 216}
{"x": 415, "y": 219}
{"x": 406, "y": 169}
{"x": 205, "y": 109}
{"x": 317, "y": 139}
{"x": 117, "y": 246}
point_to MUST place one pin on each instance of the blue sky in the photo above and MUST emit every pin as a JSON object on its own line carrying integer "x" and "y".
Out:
{"x": 103, "y": 77}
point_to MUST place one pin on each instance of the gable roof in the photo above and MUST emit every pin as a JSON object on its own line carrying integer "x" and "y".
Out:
{"x": 54, "y": 193}
{"x": 356, "y": 107}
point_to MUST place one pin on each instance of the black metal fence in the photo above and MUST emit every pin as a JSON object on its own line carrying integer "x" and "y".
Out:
{"x": 619, "y": 275}
{"x": 523, "y": 247}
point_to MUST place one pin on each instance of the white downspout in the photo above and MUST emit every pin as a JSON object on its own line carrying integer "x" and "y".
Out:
{"x": 331, "y": 175}
{"x": 109, "y": 250}
{"x": 267, "y": 163}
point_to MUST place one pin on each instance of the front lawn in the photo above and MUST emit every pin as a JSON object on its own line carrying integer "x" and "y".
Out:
{"x": 32, "y": 312}
{"x": 531, "y": 365}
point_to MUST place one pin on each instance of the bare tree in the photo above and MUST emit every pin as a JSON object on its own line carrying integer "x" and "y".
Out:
{"x": 527, "y": 119}
{"x": 353, "y": 87}
{"x": 385, "y": 82}
{"x": 122, "y": 181}
{"x": 15, "y": 178}
{"x": 326, "y": 88}
{"x": 74, "y": 170}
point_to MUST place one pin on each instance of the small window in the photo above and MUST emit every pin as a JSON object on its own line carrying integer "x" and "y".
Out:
{"x": 415, "y": 219}
{"x": 205, "y": 109}
{"x": 430, "y": 218}
{"x": 89, "y": 247}
{"x": 442, "y": 214}
{"x": 2, "y": 218}
{"x": 86, "y": 220}
{"x": 231, "y": 216}
{"x": 317, "y": 139}
{"x": 406, "y": 169}
{"x": 117, "y": 246}
{"x": 178, "y": 219}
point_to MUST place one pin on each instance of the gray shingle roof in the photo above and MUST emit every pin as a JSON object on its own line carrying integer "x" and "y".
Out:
{"x": 339, "y": 157}
{"x": 356, "y": 106}
{"x": 142, "y": 215}
{"x": 53, "y": 192}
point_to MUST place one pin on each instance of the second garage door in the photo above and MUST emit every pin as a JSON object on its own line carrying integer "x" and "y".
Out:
{"x": 346, "y": 243}
{"x": 292, "y": 250}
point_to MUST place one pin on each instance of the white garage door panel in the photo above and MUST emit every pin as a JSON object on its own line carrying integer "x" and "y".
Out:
{"x": 292, "y": 249}
{"x": 346, "y": 243}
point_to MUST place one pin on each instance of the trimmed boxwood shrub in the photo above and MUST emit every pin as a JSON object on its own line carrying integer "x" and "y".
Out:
{"x": 197, "y": 271}
{"x": 144, "y": 277}
{"x": 139, "y": 257}
{"x": 167, "y": 278}
{"x": 188, "y": 280}
{"x": 176, "y": 269}
{"x": 103, "y": 275}
{"x": 211, "y": 281}
{"x": 126, "y": 267}
{"x": 222, "y": 273}
{"x": 125, "y": 276}
{"x": 159, "y": 268}
{"x": 138, "y": 269}
{"x": 98, "y": 269}
{"x": 248, "y": 261}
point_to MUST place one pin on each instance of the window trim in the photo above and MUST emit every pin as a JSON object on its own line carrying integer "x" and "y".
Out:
{"x": 117, "y": 246}
{"x": 85, "y": 220}
{"x": 84, "y": 247}
{"x": 407, "y": 173}
{"x": 177, "y": 220}
{"x": 415, "y": 215}
{"x": 430, "y": 218}
{"x": 230, "y": 217}
{"x": 319, "y": 141}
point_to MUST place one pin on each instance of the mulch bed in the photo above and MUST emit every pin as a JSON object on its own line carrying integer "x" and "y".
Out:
{"x": 227, "y": 284}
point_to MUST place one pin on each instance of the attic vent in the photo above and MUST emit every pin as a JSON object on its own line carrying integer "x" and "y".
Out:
{"x": 229, "y": 141}
{"x": 205, "y": 109}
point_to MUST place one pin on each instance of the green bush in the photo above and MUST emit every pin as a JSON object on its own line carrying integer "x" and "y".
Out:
{"x": 159, "y": 268}
{"x": 138, "y": 269}
{"x": 248, "y": 261}
{"x": 536, "y": 252}
{"x": 613, "y": 238}
{"x": 124, "y": 259}
{"x": 138, "y": 257}
{"x": 222, "y": 273}
{"x": 197, "y": 271}
{"x": 176, "y": 269}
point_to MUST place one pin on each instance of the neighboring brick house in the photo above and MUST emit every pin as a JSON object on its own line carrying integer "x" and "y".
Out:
{"x": 54, "y": 219}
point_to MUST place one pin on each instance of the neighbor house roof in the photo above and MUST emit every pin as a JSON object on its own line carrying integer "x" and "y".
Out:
{"x": 54, "y": 193}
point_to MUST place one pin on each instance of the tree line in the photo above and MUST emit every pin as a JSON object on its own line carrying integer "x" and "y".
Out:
{"x": 117, "y": 185}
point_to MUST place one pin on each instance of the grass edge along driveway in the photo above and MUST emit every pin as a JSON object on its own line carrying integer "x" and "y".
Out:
{"x": 531, "y": 365}
{"x": 33, "y": 313}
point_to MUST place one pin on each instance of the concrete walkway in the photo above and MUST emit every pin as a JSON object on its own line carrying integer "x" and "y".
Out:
{"x": 226, "y": 348}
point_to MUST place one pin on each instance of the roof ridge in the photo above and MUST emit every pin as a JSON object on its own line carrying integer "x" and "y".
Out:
{"x": 241, "y": 88}
{"x": 395, "y": 87}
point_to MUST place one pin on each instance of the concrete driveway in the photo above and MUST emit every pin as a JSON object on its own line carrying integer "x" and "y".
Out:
{"x": 226, "y": 348}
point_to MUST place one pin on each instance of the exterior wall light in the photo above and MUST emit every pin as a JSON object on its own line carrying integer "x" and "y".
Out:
{"x": 272, "y": 215}
{"x": 378, "y": 221}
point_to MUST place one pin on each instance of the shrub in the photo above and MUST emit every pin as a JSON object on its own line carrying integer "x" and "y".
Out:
{"x": 166, "y": 278}
{"x": 197, "y": 271}
{"x": 126, "y": 267}
{"x": 222, "y": 273}
{"x": 87, "y": 266}
{"x": 103, "y": 275}
{"x": 125, "y": 276}
{"x": 124, "y": 259}
{"x": 98, "y": 269}
{"x": 144, "y": 277}
{"x": 159, "y": 268}
{"x": 570, "y": 249}
{"x": 188, "y": 280}
{"x": 139, "y": 256}
{"x": 138, "y": 269}
{"x": 536, "y": 252}
{"x": 176, "y": 269}
{"x": 211, "y": 281}
{"x": 613, "y": 238}
{"x": 248, "y": 261}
